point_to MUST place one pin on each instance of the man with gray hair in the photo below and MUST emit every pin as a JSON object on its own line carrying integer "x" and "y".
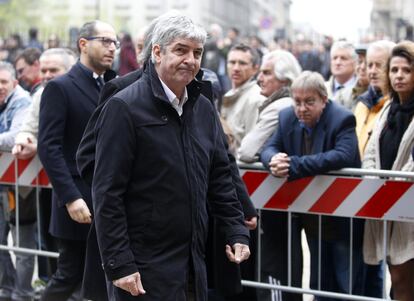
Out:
{"x": 278, "y": 70}
{"x": 151, "y": 184}
{"x": 15, "y": 282}
{"x": 317, "y": 135}
{"x": 343, "y": 66}
{"x": 53, "y": 62}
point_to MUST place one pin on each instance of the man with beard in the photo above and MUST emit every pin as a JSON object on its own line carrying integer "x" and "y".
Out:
{"x": 66, "y": 105}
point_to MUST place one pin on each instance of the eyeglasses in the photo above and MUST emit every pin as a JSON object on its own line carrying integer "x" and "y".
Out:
{"x": 106, "y": 42}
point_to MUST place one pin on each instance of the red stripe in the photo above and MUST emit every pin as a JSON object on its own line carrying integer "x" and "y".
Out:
{"x": 41, "y": 179}
{"x": 288, "y": 193}
{"x": 9, "y": 175}
{"x": 253, "y": 179}
{"x": 21, "y": 165}
{"x": 384, "y": 199}
{"x": 336, "y": 193}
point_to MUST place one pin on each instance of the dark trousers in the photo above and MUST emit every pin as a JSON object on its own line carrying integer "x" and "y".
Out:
{"x": 69, "y": 273}
{"x": 47, "y": 265}
{"x": 274, "y": 259}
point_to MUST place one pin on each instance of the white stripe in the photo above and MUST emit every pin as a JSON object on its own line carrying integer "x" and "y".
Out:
{"x": 5, "y": 160}
{"x": 266, "y": 190}
{"x": 359, "y": 197}
{"x": 403, "y": 208}
{"x": 30, "y": 172}
{"x": 311, "y": 193}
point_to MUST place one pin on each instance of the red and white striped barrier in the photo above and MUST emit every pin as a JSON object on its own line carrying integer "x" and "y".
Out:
{"x": 30, "y": 172}
{"x": 332, "y": 195}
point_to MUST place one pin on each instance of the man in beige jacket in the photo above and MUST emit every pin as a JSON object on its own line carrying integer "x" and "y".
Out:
{"x": 240, "y": 105}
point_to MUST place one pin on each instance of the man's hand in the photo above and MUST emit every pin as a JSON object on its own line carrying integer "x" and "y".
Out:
{"x": 24, "y": 150}
{"x": 238, "y": 253}
{"x": 279, "y": 165}
{"x": 251, "y": 223}
{"x": 79, "y": 211}
{"x": 131, "y": 284}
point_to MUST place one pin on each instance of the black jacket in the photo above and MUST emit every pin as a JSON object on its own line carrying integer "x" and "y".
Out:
{"x": 153, "y": 175}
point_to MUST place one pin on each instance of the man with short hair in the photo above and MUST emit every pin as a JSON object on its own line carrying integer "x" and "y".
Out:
{"x": 67, "y": 103}
{"x": 240, "y": 105}
{"x": 343, "y": 65}
{"x": 28, "y": 69}
{"x": 150, "y": 198}
{"x": 317, "y": 135}
{"x": 278, "y": 70}
{"x": 15, "y": 283}
{"x": 366, "y": 112}
{"x": 53, "y": 62}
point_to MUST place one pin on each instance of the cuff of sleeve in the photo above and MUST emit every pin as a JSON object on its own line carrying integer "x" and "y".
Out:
{"x": 241, "y": 236}
{"x": 120, "y": 266}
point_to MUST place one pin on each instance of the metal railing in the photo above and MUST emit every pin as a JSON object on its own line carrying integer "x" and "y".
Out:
{"x": 39, "y": 182}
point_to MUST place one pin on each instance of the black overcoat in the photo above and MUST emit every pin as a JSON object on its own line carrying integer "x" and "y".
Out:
{"x": 67, "y": 103}
{"x": 153, "y": 175}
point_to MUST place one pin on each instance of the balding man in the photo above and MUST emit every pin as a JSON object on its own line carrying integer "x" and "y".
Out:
{"x": 67, "y": 103}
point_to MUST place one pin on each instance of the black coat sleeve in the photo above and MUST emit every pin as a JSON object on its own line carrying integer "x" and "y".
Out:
{"x": 225, "y": 205}
{"x": 110, "y": 183}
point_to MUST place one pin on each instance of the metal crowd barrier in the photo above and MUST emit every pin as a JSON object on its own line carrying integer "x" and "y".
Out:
{"x": 353, "y": 193}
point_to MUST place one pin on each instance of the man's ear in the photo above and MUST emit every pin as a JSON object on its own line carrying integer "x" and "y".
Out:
{"x": 156, "y": 52}
{"x": 82, "y": 44}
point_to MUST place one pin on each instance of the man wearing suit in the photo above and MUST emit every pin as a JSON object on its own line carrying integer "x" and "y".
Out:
{"x": 227, "y": 276}
{"x": 315, "y": 136}
{"x": 177, "y": 157}
{"x": 66, "y": 105}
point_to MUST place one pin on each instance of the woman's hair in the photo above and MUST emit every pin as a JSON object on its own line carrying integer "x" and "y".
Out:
{"x": 404, "y": 49}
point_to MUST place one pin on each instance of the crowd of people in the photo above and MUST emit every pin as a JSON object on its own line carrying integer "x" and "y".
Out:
{"x": 140, "y": 139}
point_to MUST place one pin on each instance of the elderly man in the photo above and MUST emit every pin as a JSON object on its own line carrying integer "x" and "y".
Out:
{"x": 53, "y": 62}
{"x": 15, "y": 283}
{"x": 372, "y": 101}
{"x": 240, "y": 105}
{"x": 151, "y": 201}
{"x": 317, "y": 135}
{"x": 366, "y": 112}
{"x": 277, "y": 72}
{"x": 28, "y": 69}
{"x": 343, "y": 65}
{"x": 67, "y": 103}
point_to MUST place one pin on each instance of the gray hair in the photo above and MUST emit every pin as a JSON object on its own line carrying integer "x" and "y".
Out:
{"x": 68, "y": 56}
{"x": 8, "y": 67}
{"x": 285, "y": 65}
{"x": 347, "y": 46}
{"x": 309, "y": 80}
{"x": 381, "y": 45}
{"x": 172, "y": 26}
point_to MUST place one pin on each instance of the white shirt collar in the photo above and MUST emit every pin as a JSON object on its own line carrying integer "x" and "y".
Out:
{"x": 173, "y": 99}
{"x": 350, "y": 83}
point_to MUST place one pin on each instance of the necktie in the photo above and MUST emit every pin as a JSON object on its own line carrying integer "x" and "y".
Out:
{"x": 100, "y": 82}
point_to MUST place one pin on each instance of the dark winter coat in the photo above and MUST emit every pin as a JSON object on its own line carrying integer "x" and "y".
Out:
{"x": 153, "y": 175}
